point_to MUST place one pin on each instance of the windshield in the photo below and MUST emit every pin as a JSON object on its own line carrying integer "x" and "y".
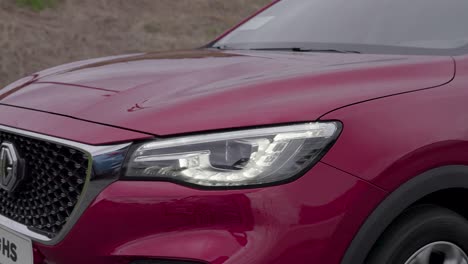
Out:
{"x": 417, "y": 26}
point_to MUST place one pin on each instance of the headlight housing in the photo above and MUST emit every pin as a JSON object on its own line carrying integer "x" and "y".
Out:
{"x": 234, "y": 159}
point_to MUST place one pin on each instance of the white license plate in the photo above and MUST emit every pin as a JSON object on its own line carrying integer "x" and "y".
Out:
{"x": 15, "y": 249}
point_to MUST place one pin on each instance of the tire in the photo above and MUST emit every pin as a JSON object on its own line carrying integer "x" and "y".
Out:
{"x": 437, "y": 231}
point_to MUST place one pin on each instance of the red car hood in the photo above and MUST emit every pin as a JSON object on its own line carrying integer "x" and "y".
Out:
{"x": 189, "y": 91}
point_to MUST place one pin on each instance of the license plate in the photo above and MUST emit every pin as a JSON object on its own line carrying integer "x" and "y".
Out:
{"x": 15, "y": 249}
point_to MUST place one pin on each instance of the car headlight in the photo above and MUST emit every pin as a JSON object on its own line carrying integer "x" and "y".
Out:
{"x": 240, "y": 158}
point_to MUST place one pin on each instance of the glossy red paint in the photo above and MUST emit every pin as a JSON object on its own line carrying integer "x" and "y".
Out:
{"x": 65, "y": 127}
{"x": 153, "y": 93}
{"x": 293, "y": 223}
{"x": 427, "y": 129}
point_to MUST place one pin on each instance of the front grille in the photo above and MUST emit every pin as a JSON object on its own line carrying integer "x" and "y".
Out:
{"x": 53, "y": 183}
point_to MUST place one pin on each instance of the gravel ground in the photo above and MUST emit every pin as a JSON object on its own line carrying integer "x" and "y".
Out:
{"x": 79, "y": 29}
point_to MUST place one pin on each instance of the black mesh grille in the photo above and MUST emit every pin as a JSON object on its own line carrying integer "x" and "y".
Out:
{"x": 53, "y": 182}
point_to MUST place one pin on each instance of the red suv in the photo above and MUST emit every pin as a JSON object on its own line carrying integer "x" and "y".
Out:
{"x": 317, "y": 131}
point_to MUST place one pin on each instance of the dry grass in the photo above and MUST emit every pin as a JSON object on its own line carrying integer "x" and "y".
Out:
{"x": 80, "y": 29}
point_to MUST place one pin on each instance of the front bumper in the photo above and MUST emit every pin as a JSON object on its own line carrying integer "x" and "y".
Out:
{"x": 311, "y": 220}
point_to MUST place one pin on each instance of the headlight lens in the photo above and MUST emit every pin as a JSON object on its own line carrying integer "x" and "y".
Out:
{"x": 240, "y": 158}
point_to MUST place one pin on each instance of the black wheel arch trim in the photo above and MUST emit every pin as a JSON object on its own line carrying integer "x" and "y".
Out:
{"x": 439, "y": 179}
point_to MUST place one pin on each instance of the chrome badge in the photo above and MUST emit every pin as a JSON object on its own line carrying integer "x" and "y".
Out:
{"x": 10, "y": 170}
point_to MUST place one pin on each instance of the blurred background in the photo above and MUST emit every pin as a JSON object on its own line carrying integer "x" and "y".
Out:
{"x": 37, "y": 34}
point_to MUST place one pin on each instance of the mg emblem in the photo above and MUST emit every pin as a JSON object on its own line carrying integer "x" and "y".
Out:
{"x": 10, "y": 167}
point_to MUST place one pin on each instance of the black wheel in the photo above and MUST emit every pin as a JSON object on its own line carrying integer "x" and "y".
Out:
{"x": 423, "y": 235}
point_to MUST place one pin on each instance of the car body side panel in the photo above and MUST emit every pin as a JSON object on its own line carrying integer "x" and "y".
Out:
{"x": 300, "y": 222}
{"x": 390, "y": 140}
{"x": 430, "y": 182}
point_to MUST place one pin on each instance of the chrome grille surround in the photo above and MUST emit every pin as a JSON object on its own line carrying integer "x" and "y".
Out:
{"x": 91, "y": 186}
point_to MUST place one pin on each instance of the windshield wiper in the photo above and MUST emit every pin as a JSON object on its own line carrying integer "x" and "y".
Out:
{"x": 294, "y": 49}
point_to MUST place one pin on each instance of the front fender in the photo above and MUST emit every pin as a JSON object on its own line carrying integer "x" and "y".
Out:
{"x": 439, "y": 179}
